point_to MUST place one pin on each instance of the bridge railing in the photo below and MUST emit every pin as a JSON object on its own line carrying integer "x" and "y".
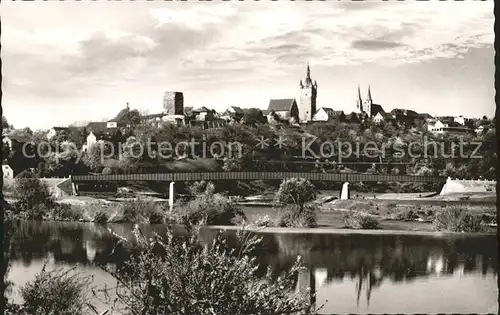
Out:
{"x": 247, "y": 176}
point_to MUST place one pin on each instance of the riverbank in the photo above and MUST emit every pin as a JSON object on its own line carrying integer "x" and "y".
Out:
{"x": 342, "y": 231}
{"x": 409, "y": 212}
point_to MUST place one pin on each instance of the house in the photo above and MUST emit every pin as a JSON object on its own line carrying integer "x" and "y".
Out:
{"x": 284, "y": 108}
{"x": 54, "y": 131}
{"x": 479, "y": 130}
{"x": 446, "y": 119}
{"x": 235, "y": 111}
{"x": 355, "y": 117}
{"x": 326, "y": 114}
{"x": 8, "y": 172}
{"x": 161, "y": 118}
{"x": 406, "y": 116}
{"x": 91, "y": 140}
{"x": 439, "y": 127}
{"x": 375, "y": 109}
{"x": 203, "y": 113}
{"x": 460, "y": 120}
{"x": 382, "y": 117}
{"x": 16, "y": 139}
{"x": 422, "y": 118}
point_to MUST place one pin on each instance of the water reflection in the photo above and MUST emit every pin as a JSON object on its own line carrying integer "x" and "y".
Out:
{"x": 369, "y": 261}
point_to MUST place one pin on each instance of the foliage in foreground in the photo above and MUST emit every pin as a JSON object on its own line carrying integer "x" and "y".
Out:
{"x": 57, "y": 292}
{"x": 454, "y": 219}
{"x": 359, "y": 220}
{"x": 180, "y": 276}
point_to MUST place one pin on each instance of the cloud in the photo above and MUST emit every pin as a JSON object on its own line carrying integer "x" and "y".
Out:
{"x": 203, "y": 44}
{"x": 374, "y": 44}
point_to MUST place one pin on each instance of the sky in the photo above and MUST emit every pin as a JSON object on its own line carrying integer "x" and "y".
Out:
{"x": 66, "y": 62}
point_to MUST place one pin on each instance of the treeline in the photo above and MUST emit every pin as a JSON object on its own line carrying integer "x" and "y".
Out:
{"x": 318, "y": 147}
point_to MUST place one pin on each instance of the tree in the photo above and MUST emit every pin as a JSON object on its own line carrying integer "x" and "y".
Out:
{"x": 95, "y": 155}
{"x": 30, "y": 191}
{"x": 5, "y": 123}
{"x": 254, "y": 116}
{"x": 28, "y": 131}
{"x": 297, "y": 191}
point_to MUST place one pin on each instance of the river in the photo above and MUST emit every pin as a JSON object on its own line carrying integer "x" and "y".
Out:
{"x": 351, "y": 273}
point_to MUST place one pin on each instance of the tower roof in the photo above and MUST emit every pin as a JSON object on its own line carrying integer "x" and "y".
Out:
{"x": 359, "y": 95}
{"x": 308, "y": 80}
{"x": 369, "y": 96}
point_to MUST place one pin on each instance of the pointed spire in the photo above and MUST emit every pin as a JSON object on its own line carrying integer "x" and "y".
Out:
{"x": 359, "y": 93}
{"x": 308, "y": 71}
{"x": 369, "y": 96}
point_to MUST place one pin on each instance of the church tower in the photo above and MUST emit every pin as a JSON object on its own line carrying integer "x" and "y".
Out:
{"x": 359, "y": 103}
{"x": 308, "y": 94}
{"x": 367, "y": 106}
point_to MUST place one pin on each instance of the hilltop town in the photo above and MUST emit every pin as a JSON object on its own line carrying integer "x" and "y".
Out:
{"x": 288, "y": 118}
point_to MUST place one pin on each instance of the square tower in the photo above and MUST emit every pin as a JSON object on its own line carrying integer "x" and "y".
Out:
{"x": 308, "y": 94}
{"x": 173, "y": 103}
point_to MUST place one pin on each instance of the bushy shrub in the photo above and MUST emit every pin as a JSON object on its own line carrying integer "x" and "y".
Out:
{"x": 29, "y": 192}
{"x": 296, "y": 191}
{"x": 454, "y": 219}
{"x": 407, "y": 215}
{"x": 100, "y": 217}
{"x": 65, "y": 212}
{"x": 36, "y": 212}
{"x": 56, "y": 292}
{"x": 294, "y": 216}
{"x": 209, "y": 208}
{"x": 140, "y": 210}
{"x": 359, "y": 220}
{"x": 190, "y": 278}
{"x": 264, "y": 221}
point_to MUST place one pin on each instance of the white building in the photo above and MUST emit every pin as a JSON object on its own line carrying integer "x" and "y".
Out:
{"x": 460, "y": 119}
{"x": 54, "y": 131}
{"x": 438, "y": 127}
{"x": 91, "y": 139}
{"x": 111, "y": 124}
{"x": 7, "y": 171}
{"x": 326, "y": 114}
{"x": 379, "y": 118}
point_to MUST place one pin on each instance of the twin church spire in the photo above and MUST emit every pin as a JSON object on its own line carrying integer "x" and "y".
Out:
{"x": 364, "y": 107}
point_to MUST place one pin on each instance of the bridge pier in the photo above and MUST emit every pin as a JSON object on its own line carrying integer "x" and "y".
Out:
{"x": 171, "y": 195}
{"x": 307, "y": 282}
{"x": 345, "y": 194}
{"x": 74, "y": 187}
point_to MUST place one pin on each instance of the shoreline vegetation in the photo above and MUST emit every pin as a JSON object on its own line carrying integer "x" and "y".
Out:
{"x": 296, "y": 204}
{"x": 183, "y": 276}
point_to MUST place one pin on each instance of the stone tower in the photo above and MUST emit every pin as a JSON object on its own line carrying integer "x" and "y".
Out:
{"x": 173, "y": 103}
{"x": 367, "y": 106}
{"x": 308, "y": 94}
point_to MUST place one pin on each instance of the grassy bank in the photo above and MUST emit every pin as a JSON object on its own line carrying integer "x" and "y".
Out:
{"x": 340, "y": 214}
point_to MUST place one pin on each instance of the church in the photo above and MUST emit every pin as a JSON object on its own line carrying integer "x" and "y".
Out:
{"x": 302, "y": 112}
{"x": 306, "y": 109}
{"x": 367, "y": 107}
